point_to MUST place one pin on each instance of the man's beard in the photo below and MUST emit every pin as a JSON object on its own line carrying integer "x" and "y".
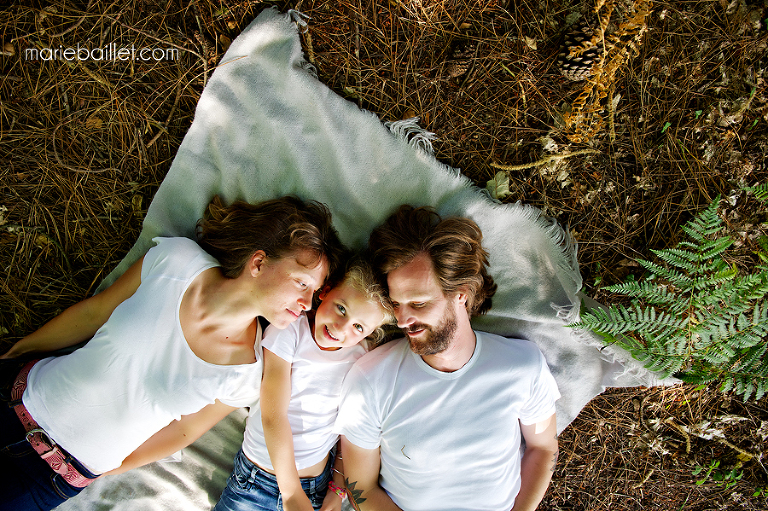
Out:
{"x": 436, "y": 339}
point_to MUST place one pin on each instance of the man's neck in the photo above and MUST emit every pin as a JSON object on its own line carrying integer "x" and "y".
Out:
{"x": 458, "y": 353}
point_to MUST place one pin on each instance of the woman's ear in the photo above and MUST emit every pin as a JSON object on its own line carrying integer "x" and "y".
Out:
{"x": 256, "y": 262}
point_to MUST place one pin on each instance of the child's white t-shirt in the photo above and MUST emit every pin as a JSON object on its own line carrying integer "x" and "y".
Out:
{"x": 316, "y": 379}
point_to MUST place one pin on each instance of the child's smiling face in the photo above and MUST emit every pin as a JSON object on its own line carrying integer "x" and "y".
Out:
{"x": 345, "y": 317}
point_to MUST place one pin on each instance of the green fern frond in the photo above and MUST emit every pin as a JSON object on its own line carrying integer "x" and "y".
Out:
{"x": 651, "y": 292}
{"x": 675, "y": 277}
{"x": 715, "y": 247}
{"x": 693, "y": 315}
{"x": 760, "y": 191}
{"x": 705, "y": 224}
{"x": 621, "y": 319}
{"x": 676, "y": 259}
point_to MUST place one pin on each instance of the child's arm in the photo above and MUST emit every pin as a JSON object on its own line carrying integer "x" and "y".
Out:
{"x": 275, "y": 396}
{"x": 333, "y": 499}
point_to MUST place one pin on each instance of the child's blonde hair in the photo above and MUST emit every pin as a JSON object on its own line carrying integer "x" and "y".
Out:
{"x": 359, "y": 274}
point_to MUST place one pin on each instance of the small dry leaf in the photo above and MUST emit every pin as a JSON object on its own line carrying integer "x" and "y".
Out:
{"x": 9, "y": 49}
{"x": 531, "y": 43}
{"x": 224, "y": 41}
{"x": 41, "y": 240}
{"x": 136, "y": 202}
{"x": 231, "y": 25}
{"x": 94, "y": 123}
{"x": 465, "y": 26}
{"x": 498, "y": 187}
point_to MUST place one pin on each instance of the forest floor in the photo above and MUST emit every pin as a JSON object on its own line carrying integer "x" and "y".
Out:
{"x": 678, "y": 118}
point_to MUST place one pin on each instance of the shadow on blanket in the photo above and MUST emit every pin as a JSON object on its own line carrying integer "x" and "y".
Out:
{"x": 266, "y": 127}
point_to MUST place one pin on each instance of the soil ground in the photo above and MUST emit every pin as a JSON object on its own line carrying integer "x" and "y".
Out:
{"x": 683, "y": 120}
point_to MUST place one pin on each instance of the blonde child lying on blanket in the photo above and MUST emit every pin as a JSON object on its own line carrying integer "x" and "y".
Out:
{"x": 171, "y": 351}
{"x": 288, "y": 449}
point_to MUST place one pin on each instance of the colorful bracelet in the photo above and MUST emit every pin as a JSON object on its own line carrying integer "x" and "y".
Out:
{"x": 341, "y": 492}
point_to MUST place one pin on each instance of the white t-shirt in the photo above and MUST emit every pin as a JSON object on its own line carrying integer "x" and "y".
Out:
{"x": 137, "y": 373}
{"x": 316, "y": 378}
{"x": 448, "y": 441}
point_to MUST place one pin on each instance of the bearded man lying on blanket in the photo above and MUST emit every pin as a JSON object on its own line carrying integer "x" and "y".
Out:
{"x": 433, "y": 421}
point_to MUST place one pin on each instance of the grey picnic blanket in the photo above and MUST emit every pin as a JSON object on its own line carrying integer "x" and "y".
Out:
{"x": 266, "y": 127}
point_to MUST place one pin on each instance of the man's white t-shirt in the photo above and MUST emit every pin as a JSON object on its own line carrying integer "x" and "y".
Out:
{"x": 137, "y": 373}
{"x": 448, "y": 441}
{"x": 316, "y": 378}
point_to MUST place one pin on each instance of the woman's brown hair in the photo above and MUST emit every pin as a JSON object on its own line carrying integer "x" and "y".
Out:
{"x": 279, "y": 227}
{"x": 453, "y": 244}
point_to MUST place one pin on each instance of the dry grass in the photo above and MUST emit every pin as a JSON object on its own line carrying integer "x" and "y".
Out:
{"x": 84, "y": 147}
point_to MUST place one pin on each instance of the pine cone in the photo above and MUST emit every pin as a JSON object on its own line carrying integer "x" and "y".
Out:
{"x": 460, "y": 61}
{"x": 578, "y": 67}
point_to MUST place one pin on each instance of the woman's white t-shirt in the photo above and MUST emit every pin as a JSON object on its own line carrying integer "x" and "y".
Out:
{"x": 137, "y": 374}
{"x": 316, "y": 379}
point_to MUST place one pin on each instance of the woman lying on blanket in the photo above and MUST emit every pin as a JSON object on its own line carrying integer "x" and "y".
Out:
{"x": 288, "y": 451}
{"x": 171, "y": 350}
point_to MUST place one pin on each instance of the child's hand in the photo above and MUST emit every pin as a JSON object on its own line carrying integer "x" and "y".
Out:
{"x": 299, "y": 502}
{"x": 331, "y": 502}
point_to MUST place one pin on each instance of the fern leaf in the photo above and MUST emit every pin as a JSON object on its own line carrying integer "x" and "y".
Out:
{"x": 760, "y": 191}
{"x": 674, "y": 258}
{"x": 651, "y": 292}
{"x": 678, "y": 279}
{"x": 715, "y": 247}
{"x": 706, "y": 223}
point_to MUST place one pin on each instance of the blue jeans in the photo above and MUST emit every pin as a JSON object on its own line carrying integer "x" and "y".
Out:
{"x": 251, "y": 489}
{"x": 26, "y": 481}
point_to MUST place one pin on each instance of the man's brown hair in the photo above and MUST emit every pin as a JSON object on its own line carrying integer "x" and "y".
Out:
{"x": 453, "y": 244}
{"x": 279, "y": 227}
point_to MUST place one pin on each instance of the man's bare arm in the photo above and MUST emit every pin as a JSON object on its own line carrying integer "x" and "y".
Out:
{"x": 361, "y": 477}
{"x": 538, "y": 463}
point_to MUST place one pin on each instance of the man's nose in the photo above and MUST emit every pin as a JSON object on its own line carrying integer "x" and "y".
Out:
{"x": 404, "y": 317}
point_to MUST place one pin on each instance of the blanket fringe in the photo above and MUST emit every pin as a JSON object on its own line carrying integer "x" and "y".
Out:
{"x": 568, "y": 263}
{"x": 299, "y": 18}
{"x": 410, "y": 131}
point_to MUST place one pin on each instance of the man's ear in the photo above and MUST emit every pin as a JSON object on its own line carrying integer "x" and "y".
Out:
{"x": 462, "y": 295}
{"x": 256, "y": 262}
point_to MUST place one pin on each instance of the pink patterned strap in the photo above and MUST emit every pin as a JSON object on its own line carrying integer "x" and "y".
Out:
{"x": 57, "y": 458}
{"x": 21, "y": 381}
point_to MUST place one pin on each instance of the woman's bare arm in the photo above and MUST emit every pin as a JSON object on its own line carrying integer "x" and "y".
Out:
{"x": 80, "y": 321}
{"x": 175, "y": 436}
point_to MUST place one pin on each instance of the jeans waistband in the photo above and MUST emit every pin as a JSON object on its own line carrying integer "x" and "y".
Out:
{"x": 265, "y": 478}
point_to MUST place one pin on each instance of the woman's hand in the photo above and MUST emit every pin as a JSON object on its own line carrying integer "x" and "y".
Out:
{"x": 9, "y": 354}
